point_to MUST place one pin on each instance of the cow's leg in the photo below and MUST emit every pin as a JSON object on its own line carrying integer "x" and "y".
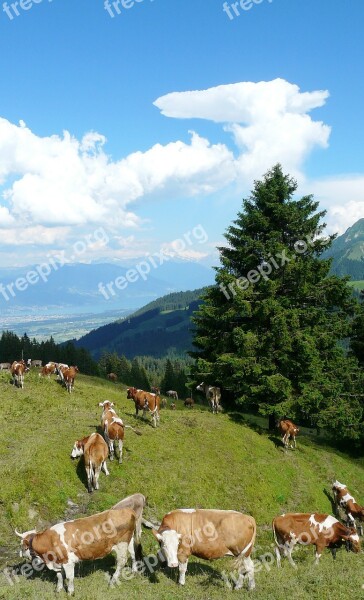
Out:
{"x": 333, "y": 552}
{"x": 248, "y": 570}
{"x": 278, "y": 556}
{"x": 158, "y": 417}
{"x": 182, "y": 568}
{"x": 131, "y": 550}
{"x": 59, "y": 581}
{"x": 89, "y": 477}
{"x": 96, "y": 477}
{"x": 289, "y": 556}
{"x": 111, "y": 448}
{"x": 121, "y": 550}
{"x": 104, "y": 468}
{"x": 317, "y": 556}
{"x": 69, "y": 570}
{"x": 120, "y": 451}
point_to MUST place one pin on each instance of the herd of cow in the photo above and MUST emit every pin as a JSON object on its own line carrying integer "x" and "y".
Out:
{"x": 65, "y": 374}
{"x": 205, "y": 533}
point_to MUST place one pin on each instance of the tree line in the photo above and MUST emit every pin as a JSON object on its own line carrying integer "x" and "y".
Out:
{"x": 279, "y": 332}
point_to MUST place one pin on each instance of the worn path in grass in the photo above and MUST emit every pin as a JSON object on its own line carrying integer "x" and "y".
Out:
{"x": 194, "y": 459}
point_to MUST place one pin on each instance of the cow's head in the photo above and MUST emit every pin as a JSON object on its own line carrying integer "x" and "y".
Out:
{"x": 352, "y": 542}
{"x": 78, "y": 449}
{"x": 26, "y": 539}
{"x": 201, "y": 387}
{"x": 106, "y": 405}
{"x": 169, "y": 541}
{"x": 130, "y": 393}
{"x": 337, "y": 486}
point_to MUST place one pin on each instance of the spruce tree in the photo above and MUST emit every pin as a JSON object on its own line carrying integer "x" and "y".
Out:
{"x": 269, "y": 332}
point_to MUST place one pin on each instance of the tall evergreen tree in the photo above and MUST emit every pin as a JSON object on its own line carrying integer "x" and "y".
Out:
{"x": 269, "y": 331}
{"x": 138, "y": 376}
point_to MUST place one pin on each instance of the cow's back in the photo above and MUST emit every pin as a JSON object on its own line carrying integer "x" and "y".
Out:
{"x": 96, "y": 449}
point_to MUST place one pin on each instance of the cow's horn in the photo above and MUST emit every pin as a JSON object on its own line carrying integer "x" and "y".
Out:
{"x": 18, "y": 534}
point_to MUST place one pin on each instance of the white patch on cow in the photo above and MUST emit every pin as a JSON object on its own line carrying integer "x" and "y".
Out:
{"x": 326, "y": 524}
{"x": 117, "y": 420}
{"x": 346, "y": 498}
{"x": 339, "y": 485}
{"x": 169, "y": 545}
{"x": 61, "y": 530}
{"x": 187, "y": 510}
{"x": 246, "y": 548}
{"x": 94, "y": 433}
{"x": 355, "y": 537}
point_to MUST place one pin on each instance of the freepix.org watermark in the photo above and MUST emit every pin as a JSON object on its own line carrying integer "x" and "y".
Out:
{"x": 15, "y": 9}
{"x": 54, "y": 262}
{"x": 235, "y": 9}
{"x": 117, "y": 7}
{"x": 267, "y": 266}
{"x": 153, "y": 261}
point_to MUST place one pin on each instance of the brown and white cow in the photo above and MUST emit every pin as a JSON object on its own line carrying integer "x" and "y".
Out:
{"x": 189, "y": 402}
{"x": 95, "y": 451}
{"x": 320, "y": 530}
{"x": 61, "y": 368}
{"x": 352, "y": 509}
{"x": 113, "y": 428}
{"x": 208, "y": 534}
{"x": 69, "y": 377}
{"x": 49, "y": 369}
{"x": 145, "y": 401}
{"x": 213, "y": 395}
{"x": 288, "y": 430}
{"x": 112, "y": 377}
{"x": 137, "y": 503}
{"x": 62, "y": 546}
{"x": 17, "y": 371}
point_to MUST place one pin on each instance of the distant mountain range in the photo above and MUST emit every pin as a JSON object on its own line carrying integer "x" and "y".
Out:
{"x": 93, "y": 287}
{"x": 162, "y": 327}
{"x": 347, "y": 252}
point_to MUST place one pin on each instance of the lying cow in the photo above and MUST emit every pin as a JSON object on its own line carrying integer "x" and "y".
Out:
{"x": 289, "y": 431}
{"x": 352, "y": 509}
{"x": 213, "y": 396}
{"x": 95, "y": 451}
{"x": 189, "y": 402}
{"x": 145, "y": 401}
{"x": 208, "y": 534}
{"x": 65, "y": 544}
{"x": 320, "y": 530}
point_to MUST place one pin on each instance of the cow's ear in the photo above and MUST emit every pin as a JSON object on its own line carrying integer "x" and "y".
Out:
{"x": 157, "y": 535}
{"x": 101, "y": 404}
{"x": 112, "y": 404}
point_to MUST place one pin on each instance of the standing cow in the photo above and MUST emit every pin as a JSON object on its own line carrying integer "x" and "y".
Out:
{"x": 208, "y": 534}
{"x": 352, "y": 509}
{"x": 213, "y": 395}
{"x": 172, "y": 394}
{"x": 62, "y": 546}
{"x": 112, "y": 377}
{"x": 320, "y": 530}
{"x": 289, "y": 431}
{"x": 17, "y": 371}
{"x": 113, "y": 428}
{"x": 95, "y": 451}
{"x": 145, "y": 401}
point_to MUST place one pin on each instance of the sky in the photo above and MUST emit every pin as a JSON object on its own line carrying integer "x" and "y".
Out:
{"x": 144, "y": 120}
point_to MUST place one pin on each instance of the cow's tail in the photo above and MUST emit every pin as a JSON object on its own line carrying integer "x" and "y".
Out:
{"x": 136, "y": 431}
{"x": 106, "y": 431}
{"x": 246, "y": 552}
{"x": 92, "y": 481}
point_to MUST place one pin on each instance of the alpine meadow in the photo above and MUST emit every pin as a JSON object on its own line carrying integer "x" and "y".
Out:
{"x": 181, "y": 300}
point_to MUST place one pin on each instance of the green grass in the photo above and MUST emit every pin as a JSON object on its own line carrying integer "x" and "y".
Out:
{"x": 194, "y": 459}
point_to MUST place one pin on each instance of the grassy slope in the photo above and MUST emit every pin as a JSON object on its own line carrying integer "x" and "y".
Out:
{"x": 194, "y": 459}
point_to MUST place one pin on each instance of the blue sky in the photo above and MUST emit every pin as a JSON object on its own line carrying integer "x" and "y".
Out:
{"x": 125, "y": 165}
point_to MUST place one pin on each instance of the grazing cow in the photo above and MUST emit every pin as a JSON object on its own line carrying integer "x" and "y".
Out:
{"x": 5, "y": 366}
{"x": 146, "y": 402}
{"x": 172, "y": 394}
{"x": 352, "y": 509}
{"x": 17, "y": 371}
{"x": 48, "y": 370}
{"x": 61, "y": 368}
{"x": 112, "y": 377}
{"x": 288, "y": 430}
{"x": 137, "y": 503}
{"x": 213, "y": 395}
{"x": 69, "y": 377}
{"x": 320, "y": 530}
{"x": 208, "y": 534}
{"x": 36, "y": 363}
{"x": 113, "y": 428}
{"x": 189, "y": 402}
{"x": 173, "y": 406}
{"x": 65, "y": 544}
{"x": 95, "y": 451}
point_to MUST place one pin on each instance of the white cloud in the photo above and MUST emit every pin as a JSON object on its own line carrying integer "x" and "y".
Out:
{"x": 60, "y": 181}
{"x": 343, "y": 197}
{"x": 268, "y": 120}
